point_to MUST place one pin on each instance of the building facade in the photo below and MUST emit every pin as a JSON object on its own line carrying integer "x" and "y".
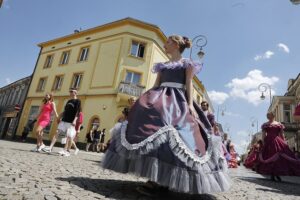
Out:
{"x": 284, "y": 108}
{"x": 12, "y": 98}
{"x": 107, "y": 64}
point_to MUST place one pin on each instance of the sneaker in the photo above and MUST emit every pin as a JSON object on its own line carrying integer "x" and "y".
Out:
{"x": 67, "y": 154}
{"x": 35, "y": 149}
{"x": 47, "y": 149}
{"x": 62, "y": 152}
{"x": 76, "y": 151}
{"x": 41, "y": 147}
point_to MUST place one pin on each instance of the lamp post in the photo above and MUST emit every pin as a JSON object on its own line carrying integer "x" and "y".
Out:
{"x": 263, "y": 87}
{"x": 222, "y": 109}
{"x": 253, "y": 122}
{"x": 200, "y": 41}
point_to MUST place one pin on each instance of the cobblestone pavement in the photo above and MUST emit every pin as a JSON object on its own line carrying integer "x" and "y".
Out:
{"x": 29, "y": 175}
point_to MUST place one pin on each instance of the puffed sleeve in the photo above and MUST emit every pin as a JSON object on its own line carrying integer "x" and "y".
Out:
{"x": 196, "y": 66}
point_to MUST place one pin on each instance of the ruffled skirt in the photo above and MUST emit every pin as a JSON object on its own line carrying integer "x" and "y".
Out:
{"x": 163, "y": 142}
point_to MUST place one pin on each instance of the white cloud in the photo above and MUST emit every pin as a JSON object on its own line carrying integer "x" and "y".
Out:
{"x": 8, "y": 81}
{"x": 283, "y": 47}
{"x": 240, "y": 145}
{"x": 243, "y": 133}
{"x": 247, "y": 87}
{"x": 267, "y": 55}
{"x": 217, "y": 97}
{"x": 232, "y": 114}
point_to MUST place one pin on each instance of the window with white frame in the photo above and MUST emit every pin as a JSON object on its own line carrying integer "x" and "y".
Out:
{"x": 41, "y": 84}
{"x": 132, "y": 77}
{"x": 137, "y": 49}
{"x": 287, "y": 113}
{"x": 84, "y": 52}
{"x": 77, "y": 78}
{"x": 64, "y": 58}
{"x": 57, "y": 83}
{"x": 48, "y": 61}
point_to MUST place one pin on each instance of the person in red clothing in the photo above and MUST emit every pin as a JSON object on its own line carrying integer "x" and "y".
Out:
{"x": 44, "y": 118}
{"x": 232, "y": 163}
{"x": 276, "y": 159}
{"x": 253, "y": 156}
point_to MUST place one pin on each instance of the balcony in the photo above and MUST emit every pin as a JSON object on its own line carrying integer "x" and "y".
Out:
{"x": 291, "y": 126}
{"x": 125, "y": 90}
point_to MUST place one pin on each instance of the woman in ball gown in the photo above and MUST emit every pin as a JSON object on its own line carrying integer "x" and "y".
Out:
{"x": 276, "y": 159}
{"x": 167, "y": 137}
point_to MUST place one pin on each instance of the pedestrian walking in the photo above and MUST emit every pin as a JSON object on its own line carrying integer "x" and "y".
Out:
{"x": 78, "y": 127}
{"x": 67, "y": 121}
{"x": 29, "y": 127}
{"x": 96, "y": 140}
{"x": 276, "y": 159}
{"x": 89, "y": 138}
{"x": 102, "y": 144}
{"x": 165, "y": 138}
{"x": 44, "y": 118}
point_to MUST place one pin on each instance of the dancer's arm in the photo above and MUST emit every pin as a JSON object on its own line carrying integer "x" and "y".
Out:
{"x": 189, "y": 89}
{"x": 54, "y": 109}
{"x": 157, "y": 80}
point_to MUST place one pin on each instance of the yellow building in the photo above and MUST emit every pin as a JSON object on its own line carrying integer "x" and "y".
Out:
{"x": 107, "y": 64}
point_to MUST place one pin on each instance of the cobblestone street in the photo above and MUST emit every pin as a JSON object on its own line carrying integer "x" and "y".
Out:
{"x": 29, "y": 175}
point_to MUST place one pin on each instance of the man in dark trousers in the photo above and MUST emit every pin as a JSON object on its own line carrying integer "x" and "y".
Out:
{"x": 210, "y": 116}
{"x": 67, "y": 121}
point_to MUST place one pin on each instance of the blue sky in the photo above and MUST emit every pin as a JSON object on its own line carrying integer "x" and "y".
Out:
{"x": 249, "y": 42}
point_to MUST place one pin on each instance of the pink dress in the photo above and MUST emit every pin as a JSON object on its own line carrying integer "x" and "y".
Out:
{"x": 276, "y": 158}
{"x": 45, "y": 115}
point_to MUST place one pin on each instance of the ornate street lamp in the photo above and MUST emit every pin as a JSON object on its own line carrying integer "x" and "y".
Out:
{"x": 199, "y": 41}
{"x": 253, "y": 122}
{"x": 263, "y": 87}
{"x": 222, "y": 109}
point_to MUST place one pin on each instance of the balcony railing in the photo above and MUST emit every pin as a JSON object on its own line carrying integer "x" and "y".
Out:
{"x": 130, "y": 89}
{"x": 291, "y": 126}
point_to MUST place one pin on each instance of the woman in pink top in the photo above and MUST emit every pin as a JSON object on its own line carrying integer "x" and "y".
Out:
{"x": 44, "y": 118}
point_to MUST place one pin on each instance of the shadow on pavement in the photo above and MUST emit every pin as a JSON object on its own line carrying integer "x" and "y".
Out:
{"x": 119, "y": 189}
{"x": 283, "y": 187}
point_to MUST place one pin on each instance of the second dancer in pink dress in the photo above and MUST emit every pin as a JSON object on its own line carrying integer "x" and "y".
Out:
{"x": 44, "y": 118}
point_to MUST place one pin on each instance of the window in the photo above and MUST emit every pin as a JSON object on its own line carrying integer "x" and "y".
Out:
{"x": 33, "y": 113}
{"x": 83, "y": 56}
{"x": 77, "y": 78}
{"x": 287, "y": 113}
{"x": 132, "y": 77}
{"x": 48, "y": 61}
{"x": 198, "y": 99}
{"x": 41, "y": 85}
{"x": 137, "y": 49}
{"x": 64, "y": 58}
{"x": 57, "y": 83}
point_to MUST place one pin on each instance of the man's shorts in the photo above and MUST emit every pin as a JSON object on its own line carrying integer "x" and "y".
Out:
{"x": 66, "y": 129}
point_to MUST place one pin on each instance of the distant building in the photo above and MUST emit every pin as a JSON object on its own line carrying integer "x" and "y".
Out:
{"x": 284, "y": 107}
{"x": 12, "y": 99}
{"x": 296, "y": 2}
